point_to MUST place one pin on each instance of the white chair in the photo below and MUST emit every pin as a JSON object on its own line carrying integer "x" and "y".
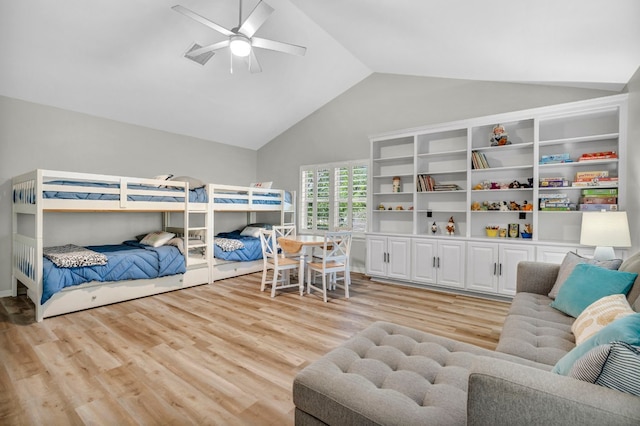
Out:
{"x": 335, "y": 261}
{"x": 278, "y": 263}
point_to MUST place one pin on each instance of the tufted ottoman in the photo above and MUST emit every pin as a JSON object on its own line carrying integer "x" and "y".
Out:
{"x": 393, "y": 375}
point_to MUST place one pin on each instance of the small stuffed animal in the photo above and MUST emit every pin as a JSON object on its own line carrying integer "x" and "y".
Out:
{"x": 475, "y": 206}
{"x": 451, "y": 226}
{"x": 527, "y": 228}
{"x": 514, "y": 184}
{"x": 514, "y": 206}
{"x": 503, "y": 206}
{"x": 527, "y": 207}
{"x": 434, "y": 228}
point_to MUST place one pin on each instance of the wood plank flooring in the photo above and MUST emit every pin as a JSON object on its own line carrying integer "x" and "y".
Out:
{"x": 223, "y": 354}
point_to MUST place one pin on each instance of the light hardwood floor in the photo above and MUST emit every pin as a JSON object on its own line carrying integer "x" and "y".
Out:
{"x": 221, "y": 354}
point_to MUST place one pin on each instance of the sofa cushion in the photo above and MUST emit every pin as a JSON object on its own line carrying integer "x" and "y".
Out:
{"x": 570, "y": 261}
{"x": 535, "y": 331}
{"x": 588, "y": 283}
{"x": 626, "y": 329}
{"x": 390, "y": 374}
{"x": 598, "y": 315}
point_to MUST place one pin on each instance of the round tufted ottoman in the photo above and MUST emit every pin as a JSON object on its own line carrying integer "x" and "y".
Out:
{"x": 388, "y": 374}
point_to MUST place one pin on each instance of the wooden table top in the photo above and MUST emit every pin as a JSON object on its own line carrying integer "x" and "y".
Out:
{"x": 293, "y": 244}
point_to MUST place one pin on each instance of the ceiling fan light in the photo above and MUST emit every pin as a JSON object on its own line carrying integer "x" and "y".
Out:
{"x": 240, "y": 46}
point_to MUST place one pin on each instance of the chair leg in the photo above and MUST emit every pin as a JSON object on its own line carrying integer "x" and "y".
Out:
{"x": 274, "y": 283}
{"x": 264, "y": 278}
{"x": 347, "y": 283}
{"x": 324, "y": 287}
{"x": 308, "y": 280}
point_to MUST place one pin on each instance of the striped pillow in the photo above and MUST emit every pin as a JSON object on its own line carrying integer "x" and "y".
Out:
{"x": 615, "y": 365}
{"x": 598, "y": 315}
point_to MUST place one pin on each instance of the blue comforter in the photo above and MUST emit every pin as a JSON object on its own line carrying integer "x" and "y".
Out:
{"x": 252, "y": 249}
{"x": 127, "y": 261}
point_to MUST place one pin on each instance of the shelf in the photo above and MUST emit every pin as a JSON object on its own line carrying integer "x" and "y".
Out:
{"x": 507, "y": 168}
{"x": 441, "y": 211}
{"x": 393, "y": 159}
{"x": 513, "y": 146}
{"x": 391, "y": 176}
{"x": 456, "y": 191}
{"x": 393, "y": 193}
{"x": 393, "y": 211}
{"x": 499, "y": 190}
{"x": 444, "y": 172}
{"x": 578, "y": 163}
{"x": 579, "y": 139}
{"x": 502, "y": 211}
{"x": 442, "y": 154}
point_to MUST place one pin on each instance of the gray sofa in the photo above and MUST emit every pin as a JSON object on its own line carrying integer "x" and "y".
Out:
{"x": 389, "y": 374}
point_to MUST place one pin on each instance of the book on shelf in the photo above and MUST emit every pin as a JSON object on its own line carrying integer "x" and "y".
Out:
{"x": 553, "y": 182}
{"x": 479, "y": 160}
{"x": 600, "y": 191}
{"x": 555, "y": 209}
{"x": 424, "y": 183}
{"x": 595, "y": 182}
{"x": 598, "y": 199}
{"x": 598, "y": 207}
{"x": 592, "y": 174}
{"x": 556, "y": 158}
{"x": 446, "y": 187}
{"x": 604, "y": 155}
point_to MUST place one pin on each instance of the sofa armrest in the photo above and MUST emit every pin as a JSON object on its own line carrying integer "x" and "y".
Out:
{"x": 536, "y": 277}
{"x": 504, "y": 393}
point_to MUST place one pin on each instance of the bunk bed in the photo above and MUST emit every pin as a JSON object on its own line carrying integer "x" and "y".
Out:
{"x": 41, "y": 191}
{"x": 250, "y": 200}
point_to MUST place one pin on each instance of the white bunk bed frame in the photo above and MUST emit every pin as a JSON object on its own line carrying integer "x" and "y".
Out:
{"x": 221, "y": 269}
{"x": 27, "y": 264}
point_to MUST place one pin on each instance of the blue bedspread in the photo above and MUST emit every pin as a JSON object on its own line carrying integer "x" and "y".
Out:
{"x": 198, "y": 195}
{"x": 127, "y": 261}
{"x": 252, "y": 249}
{"x": 275, "y": 201}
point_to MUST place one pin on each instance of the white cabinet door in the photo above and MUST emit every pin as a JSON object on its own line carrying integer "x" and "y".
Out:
{"x": 482, "y": 272}
{"x": 451, "y": 263}
{"x": 376, "y": 256}
{"x": 552, "y": 254}
{"x": 399, "y": 257}
{"x": 510, "y": 255}
{"x": 423, "y": 264}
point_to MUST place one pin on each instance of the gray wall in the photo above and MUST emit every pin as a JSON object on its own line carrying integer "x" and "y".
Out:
{"x": 385, "y": 102}
{"x": 34, "y": 136}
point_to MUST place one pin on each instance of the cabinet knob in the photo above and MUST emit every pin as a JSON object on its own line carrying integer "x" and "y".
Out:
{"x": 495, "y": 266}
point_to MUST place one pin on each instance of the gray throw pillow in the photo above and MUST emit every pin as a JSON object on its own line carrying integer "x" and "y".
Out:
{"x": 570, "y": 261}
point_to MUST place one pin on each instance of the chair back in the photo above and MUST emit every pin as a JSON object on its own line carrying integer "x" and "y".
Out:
{"x": 337, "y": 246}
{"x": 284, "y": 231}
{"x": 268, "y": 244}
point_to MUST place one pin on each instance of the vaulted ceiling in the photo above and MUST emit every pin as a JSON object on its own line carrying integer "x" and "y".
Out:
{"x": 123, "y": 59}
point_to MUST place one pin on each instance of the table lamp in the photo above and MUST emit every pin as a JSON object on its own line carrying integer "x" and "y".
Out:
{"x": 605, "y": 230}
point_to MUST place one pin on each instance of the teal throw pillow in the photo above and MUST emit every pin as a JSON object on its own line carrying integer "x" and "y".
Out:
{"x": 589, "y": 283}
{"x": 625, "y": 329}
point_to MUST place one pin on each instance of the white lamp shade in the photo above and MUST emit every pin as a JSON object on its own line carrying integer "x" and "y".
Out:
{"x": 240, "y": 46}
{"x": 608, "y": 229}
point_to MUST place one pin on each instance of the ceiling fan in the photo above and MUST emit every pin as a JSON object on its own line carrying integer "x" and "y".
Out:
{"x": 240, "y": 40}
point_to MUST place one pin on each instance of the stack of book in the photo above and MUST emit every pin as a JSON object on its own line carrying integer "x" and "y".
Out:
{"x": 425, "y": 183}
{"x": 479, "y": 160}
{"x": 595, "y": 178}
{"x": 552, "y": 182}
{"x": 597, "y": 199}
{"x": 556, "y": 202}
{"x": 604, "y": 155}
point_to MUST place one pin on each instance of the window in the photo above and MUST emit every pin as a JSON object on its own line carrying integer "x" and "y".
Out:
{"x": 334, "y": 196}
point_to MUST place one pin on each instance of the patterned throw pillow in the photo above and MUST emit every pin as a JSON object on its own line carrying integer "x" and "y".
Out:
{"x": 598, "y": 315}
{"x": 157, "y": 239}
{"x": 615, "y": 365}
{"x": 569, "y": 263}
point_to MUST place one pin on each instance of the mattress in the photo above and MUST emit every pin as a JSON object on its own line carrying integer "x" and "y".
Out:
{"x": 197, "y": 195}
{"x": 252, "y": 249}
{"x": 127, "y": 261}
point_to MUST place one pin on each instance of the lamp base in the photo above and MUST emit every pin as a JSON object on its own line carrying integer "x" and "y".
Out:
{"x": 604, "y": 253}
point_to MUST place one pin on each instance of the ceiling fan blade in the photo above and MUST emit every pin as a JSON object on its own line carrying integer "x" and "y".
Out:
{"x": 278, "y": 46}
{"x": 254, "y": 65}
{"x": 256, "y": 18}
{"x": 202, "y": 20}
{"x": 210, "y": 48}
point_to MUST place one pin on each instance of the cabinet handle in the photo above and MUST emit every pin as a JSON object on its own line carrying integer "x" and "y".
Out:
{"x": 388, "y": 257}
{"x": 495, "y": 266}
{"x": 501, "y": 269}
{"x": 438, "y": 262}
{"x": 434, "y": 261}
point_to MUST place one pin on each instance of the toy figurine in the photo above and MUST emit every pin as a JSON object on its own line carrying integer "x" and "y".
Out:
{"x": 527, "y": 207}
{"x": 514, "y": 206}
{"x": 475, "y": 206}
{"x": 451, "y": 226}
{"x": 434, "y": 228}
{"x": 503, "y": 206}
{"x": 499, "y": 136}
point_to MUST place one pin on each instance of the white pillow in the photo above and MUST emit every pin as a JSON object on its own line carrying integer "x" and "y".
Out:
{"x": 598, "y": 315}
{"x": 251, "y": 231}
{"x": 193, "y": 182}
{"x": 157, "y": 238}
